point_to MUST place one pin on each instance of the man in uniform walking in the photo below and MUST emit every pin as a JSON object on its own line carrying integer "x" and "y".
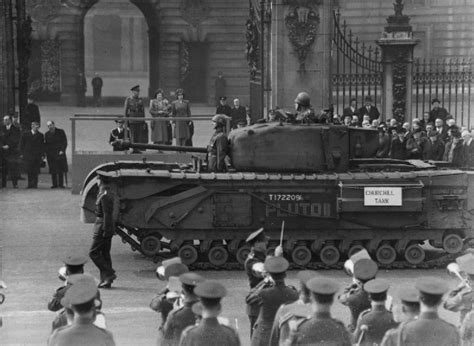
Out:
{"x": 183, "y": 316}
{"x": 80, "y": 298}
{"x": 55, "y": 146}
{"x": 218, "y": 147}
{"x": 320, "y": 328}
{"x": 134, "y": 108}
{"x": 374, "y": 323}
{"x": 210, "y": 331}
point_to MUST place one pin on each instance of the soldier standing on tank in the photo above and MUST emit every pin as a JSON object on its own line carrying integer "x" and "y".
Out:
{"x": 354, "y": 296}
{"x": 183, "y": 316}
{"x": 319, "y": 328}
{"x": 209, "y": 331}
{"x": 304, "y": 112}
{"x": 104, "y": 230}
{"x": 218, "y": 147}
{"x": 374, "y": 322}
{"x": 293, "y": 312}
{"x": 258, "y": 242}
{"x": 462, "y": 297}
{"x": 134, "y": 108}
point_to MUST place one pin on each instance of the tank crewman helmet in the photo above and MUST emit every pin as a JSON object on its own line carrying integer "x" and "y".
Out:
{"x": 303, "y": 99}
{"x": 220, "y": 120}
{"x": 135, "y": 88}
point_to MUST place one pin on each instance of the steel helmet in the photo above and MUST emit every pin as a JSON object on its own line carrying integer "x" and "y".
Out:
{"x": 302, "y": 99}
{"x": 219, "y": 119}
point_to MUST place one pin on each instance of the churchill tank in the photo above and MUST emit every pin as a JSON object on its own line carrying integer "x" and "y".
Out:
{"x": 316, "y": 189}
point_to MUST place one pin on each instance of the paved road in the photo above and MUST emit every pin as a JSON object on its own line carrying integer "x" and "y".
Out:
{"x": 38, "y": 226}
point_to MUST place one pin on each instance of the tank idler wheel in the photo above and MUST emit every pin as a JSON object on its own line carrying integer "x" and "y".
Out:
{"x": 354, "y": 249}
{"x": 329, "y": 255}
{"x": 218, "y": 255}
{"x": 452, "y": 243}
{"x": 242, "y": 254}
{"x": 301, "y": 255}
{"x": 386, "y": 254}
{"x": 414, "y": 254}
{"x": 188, "y": 254}
{"x": 150, "y": 245}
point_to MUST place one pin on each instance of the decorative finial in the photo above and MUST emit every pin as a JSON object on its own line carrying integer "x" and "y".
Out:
{"x": 398, "y": 6}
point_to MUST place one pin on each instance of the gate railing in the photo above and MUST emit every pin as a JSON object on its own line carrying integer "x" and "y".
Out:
{"x": 357, "y": 70}
{"x": 450, "y": 81}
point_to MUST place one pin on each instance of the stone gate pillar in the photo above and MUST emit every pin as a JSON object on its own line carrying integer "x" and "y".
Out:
{"x": 301, "y": 33}
{"x": 397, "y": 45}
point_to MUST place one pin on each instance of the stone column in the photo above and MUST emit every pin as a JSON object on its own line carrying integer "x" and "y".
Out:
{"x": 397, "y": 45}
{"x": 301, "y": 51}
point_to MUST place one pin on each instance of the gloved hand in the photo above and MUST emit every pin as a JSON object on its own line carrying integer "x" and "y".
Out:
{"x": 279, "y": 251}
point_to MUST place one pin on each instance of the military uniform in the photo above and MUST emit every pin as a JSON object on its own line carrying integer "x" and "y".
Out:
{"x": 134, "y": 108}
{"x": 218, "y": 148}
{"x": 467, "y": 330}
{"x": 320, "y": 328}
{"x": 271, "y": 299}
{"x": 209, "y": 331}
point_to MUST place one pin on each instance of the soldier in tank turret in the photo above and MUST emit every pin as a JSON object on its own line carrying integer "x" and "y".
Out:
{"x": 218, "y": 147}
{"x": 304, "y": 112}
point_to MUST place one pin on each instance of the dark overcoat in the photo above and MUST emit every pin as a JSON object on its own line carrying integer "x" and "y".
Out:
{"x": 56, "y": 142}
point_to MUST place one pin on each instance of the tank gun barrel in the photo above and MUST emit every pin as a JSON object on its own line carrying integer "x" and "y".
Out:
{"x": 129, "y": 145}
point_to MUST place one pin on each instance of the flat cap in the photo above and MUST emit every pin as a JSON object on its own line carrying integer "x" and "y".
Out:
{"x": 322, "y": 286}
{"x": 191, "y": 279}
{"x": 431, "y": 286}
{"x": 376, "y": 286}
{"x": 175, "y": 269}
{"x": 409, "y": 294}
{"x": 276, "y": 264}
{"x": 305, "y": 275}
{"x": 135, "y": 88}
{"x": 210, "y": 289}
{"x": 365, "y": 269}
{"x": 256, "y": 235}
{"x": 82, "y": 291}
{"x": 74, "y": 260}
{"x": 466, "y": 263}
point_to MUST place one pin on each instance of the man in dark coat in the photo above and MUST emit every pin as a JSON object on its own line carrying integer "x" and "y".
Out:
{"x": 238, "y": 115}
{"x": 398, "y": 149}
{"x": 437, "y": 112}
{"x": 223, "y": 107}
{"x": 32, "y": 113}
{"x": 468, "y": 149}
{"x": 220, "y": 86}
{"x": 437, "y": 146}
{"x": 118, "y": 135}
{"x": 97, "y": 84}
{"x": 454, "y": 150}
{"x": 368, "y": 109}
{"x": 351, "y": 109}
{"x": 55, "y": 145}
{"x": 81, "y": 88}
{"x": 32, "y": 152}
{"x": 10, "y": 153}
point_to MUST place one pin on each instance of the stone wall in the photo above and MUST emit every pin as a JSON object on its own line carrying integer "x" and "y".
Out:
{"x": 6, "y": 71}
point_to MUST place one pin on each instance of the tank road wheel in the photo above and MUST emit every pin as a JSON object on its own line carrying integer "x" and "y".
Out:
{"x": 386, "y": 254}
{"x": 188, "y": 254}
{"x": 329, "y": 255}
{"x": 414, "y": 254}
{"x": 301, "y": 255}
{"x": 218, "y": 255}
{"x": 242, "y": 254}
{"x": 452, "y": 243}
{"x": 150, "y": 245}
{"x": 354, "y": 249}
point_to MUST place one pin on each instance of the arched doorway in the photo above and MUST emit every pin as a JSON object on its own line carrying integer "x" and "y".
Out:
{"x": 116, "y": 47}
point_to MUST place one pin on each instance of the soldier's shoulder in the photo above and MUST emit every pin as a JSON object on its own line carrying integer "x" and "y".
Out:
{"x": 229, "y": 330}
{"x": 365, "y": 313}
{"x": 189, "y": 331}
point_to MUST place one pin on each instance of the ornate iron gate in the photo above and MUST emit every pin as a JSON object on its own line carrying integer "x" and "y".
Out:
{"x": 357, "y": 70}
{"x": 450, "y": 81}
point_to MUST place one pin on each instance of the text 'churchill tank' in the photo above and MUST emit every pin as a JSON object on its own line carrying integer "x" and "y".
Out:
{"x": 320, "y": 180}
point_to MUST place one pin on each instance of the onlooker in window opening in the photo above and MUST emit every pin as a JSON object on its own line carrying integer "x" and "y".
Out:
{"x": 384, "y": 143}
{"x": 352, "y": 109}
{"x": 55, "y": 142}
{"x": 223, "y": 107}
{"x": 437, "y": 146}
{"x": 97, "y": 84}
{"x": 468, "y": 149}
{"x": 347, "y": 120}
{"x": 369, "y": 109}
{"x": 238, "y": 115}
{"x": 398, "y": 147}
{"x": 442, "y": 129}
{"x": 159, "y": 108}
{"x": 454, "y": 151}
{"x": 437, "y": 111}
{"x": 180, "y": 108}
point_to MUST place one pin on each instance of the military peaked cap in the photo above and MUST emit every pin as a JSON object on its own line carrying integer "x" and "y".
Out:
{"x": 257, "y": 235}
{"x": 376, "y": 286}
{"x": 191, "y": 279}
{"x": 276, "y": 264}
{"x": 466, "y": 263}
{"x": 305, "y": 275}
{"x": 210, "y": 289}
{"x": 82, "y": 291}
{"x": 74, "y": 260}
{"x": 431, "y": 286}
{"x": 322, "y": 286}
{"x": 175, "y": 269}
{"x": 409, "y": 294}
{"x": 365, "y": 269}
{"x": 135, "y": 88}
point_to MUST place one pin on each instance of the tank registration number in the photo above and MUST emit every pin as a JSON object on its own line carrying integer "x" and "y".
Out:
{"x": 285, "y": 197}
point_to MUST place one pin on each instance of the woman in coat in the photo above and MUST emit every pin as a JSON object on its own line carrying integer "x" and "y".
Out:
{"x": 159, "y": 108}
{"x": 181, "y": 109}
